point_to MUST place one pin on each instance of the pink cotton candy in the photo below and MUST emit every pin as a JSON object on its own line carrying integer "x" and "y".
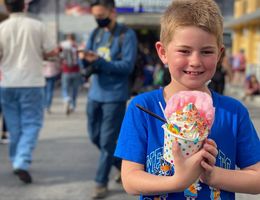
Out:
{"x": 201, "y": 100}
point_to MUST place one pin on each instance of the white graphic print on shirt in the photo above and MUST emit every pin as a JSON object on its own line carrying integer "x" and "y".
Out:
{"x": 155, "y": 164}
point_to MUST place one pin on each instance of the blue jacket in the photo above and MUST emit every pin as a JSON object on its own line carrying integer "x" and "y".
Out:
{"x": 116, "y": 62}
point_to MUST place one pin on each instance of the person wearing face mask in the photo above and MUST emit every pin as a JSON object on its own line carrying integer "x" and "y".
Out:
{"x": 110, "y": 53}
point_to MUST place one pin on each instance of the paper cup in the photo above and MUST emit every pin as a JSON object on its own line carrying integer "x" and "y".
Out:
{"x": 187, "y": 146}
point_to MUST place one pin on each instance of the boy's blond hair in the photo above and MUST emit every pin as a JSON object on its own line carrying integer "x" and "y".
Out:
{"x": 204, "y": 14}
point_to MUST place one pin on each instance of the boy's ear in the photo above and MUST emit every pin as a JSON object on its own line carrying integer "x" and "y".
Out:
{"x": 221, "y": 51}
{"x": 161, "y": 51}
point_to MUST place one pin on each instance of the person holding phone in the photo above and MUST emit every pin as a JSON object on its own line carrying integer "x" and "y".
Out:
{"x": 110, "y": 53}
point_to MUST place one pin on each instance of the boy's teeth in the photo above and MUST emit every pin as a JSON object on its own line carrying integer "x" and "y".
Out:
{"x": 195, "y": 73}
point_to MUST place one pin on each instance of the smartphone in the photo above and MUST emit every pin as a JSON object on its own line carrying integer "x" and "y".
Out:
{"x": 81, "y": 50}
{"x": 85, "y": 51}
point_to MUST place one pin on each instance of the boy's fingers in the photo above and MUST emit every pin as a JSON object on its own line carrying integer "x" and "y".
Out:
{"x": 176, "y": 152}
{"x": 211, "y": 142}
{"x": 211, "y": 148}
{"x": 209, "y": 158}
{"x": 206, "y": 166}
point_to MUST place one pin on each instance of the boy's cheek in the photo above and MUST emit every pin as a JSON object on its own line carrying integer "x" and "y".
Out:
{"x": 178, "y": 63}
{"x": 211, "y": 62}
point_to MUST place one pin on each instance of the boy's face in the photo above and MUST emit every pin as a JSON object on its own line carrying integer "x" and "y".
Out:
{"x": 191, "y": 56}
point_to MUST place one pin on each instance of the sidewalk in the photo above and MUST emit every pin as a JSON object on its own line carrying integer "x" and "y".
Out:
{"x": 64, "y": 161}
{"x": 238, "y": 92}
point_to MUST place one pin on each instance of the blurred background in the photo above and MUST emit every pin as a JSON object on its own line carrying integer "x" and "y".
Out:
{"x": 242, "y": 22}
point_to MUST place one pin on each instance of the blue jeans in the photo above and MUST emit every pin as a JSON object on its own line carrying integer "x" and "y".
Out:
{"x": 23, "y": 111}
{"x": 104, "y": 123}
{"x": 48, "y": 91}
{"x": 70, "y": 84}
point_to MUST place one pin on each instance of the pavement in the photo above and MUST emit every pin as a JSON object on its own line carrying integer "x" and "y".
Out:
{"x": 65, "y": 160}
{"x": 238, "y": 93}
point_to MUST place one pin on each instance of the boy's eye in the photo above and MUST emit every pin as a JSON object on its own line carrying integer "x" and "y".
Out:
{"x": 207, "y": 52}
{"x": 184, "y": 51}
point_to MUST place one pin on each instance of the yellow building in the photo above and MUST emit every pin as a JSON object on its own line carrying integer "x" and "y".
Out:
{"x": 246, "y": 32}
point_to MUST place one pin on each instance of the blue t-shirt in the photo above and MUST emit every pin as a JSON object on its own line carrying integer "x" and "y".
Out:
{"x": 141, "y": 141}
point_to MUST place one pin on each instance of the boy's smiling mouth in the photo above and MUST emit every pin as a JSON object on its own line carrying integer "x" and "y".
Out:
{"x": 193, "y": 72}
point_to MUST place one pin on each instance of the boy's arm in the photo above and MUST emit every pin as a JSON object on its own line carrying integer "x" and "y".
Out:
{"x": 246, "y": 180}
{"x": 136, "y": 181}
{"x": 187, "y": 170}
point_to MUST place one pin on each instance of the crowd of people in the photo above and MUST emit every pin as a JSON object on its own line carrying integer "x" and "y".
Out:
{"x": 117, "y": 67}
{"x": 149, "y": 71}
{"x": 231, "y": 69}
{"x": 252, "y": 87}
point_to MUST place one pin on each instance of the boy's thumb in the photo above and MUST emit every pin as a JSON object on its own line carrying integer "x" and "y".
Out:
{"x": 176, "y": 152}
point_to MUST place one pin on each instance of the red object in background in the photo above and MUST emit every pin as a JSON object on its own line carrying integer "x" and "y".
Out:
{"x": 76, "y": 9}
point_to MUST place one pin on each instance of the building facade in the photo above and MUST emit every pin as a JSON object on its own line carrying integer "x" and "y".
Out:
{"x": 246, "y": 32}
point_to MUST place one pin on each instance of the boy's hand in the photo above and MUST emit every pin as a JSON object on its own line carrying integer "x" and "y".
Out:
{"x": 209, "y": 161}
{"x": 187, "y": 170}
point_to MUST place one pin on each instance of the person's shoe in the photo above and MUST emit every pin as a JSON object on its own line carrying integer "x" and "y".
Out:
{"x": 67, "y": 107}
{"x": 244, "y": 98}
{"x": 118, "y": 178}
{"x": 100, "y": 192}
{"x": 68, "y": 111}
{"x": 23, "y": 175}
{"x": 48, "y": 111}
{"x": 4, "y": 139}
{"x": 72, "y": 109}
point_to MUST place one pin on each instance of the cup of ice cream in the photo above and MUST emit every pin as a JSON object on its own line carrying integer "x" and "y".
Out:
{"x": 190, "y": 115}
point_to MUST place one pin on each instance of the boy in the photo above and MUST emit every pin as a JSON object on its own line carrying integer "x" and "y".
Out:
{"x": 191, "y": 45}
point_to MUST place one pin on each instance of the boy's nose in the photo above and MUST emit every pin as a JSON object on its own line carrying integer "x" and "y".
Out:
{"x": 195, "y": 60}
